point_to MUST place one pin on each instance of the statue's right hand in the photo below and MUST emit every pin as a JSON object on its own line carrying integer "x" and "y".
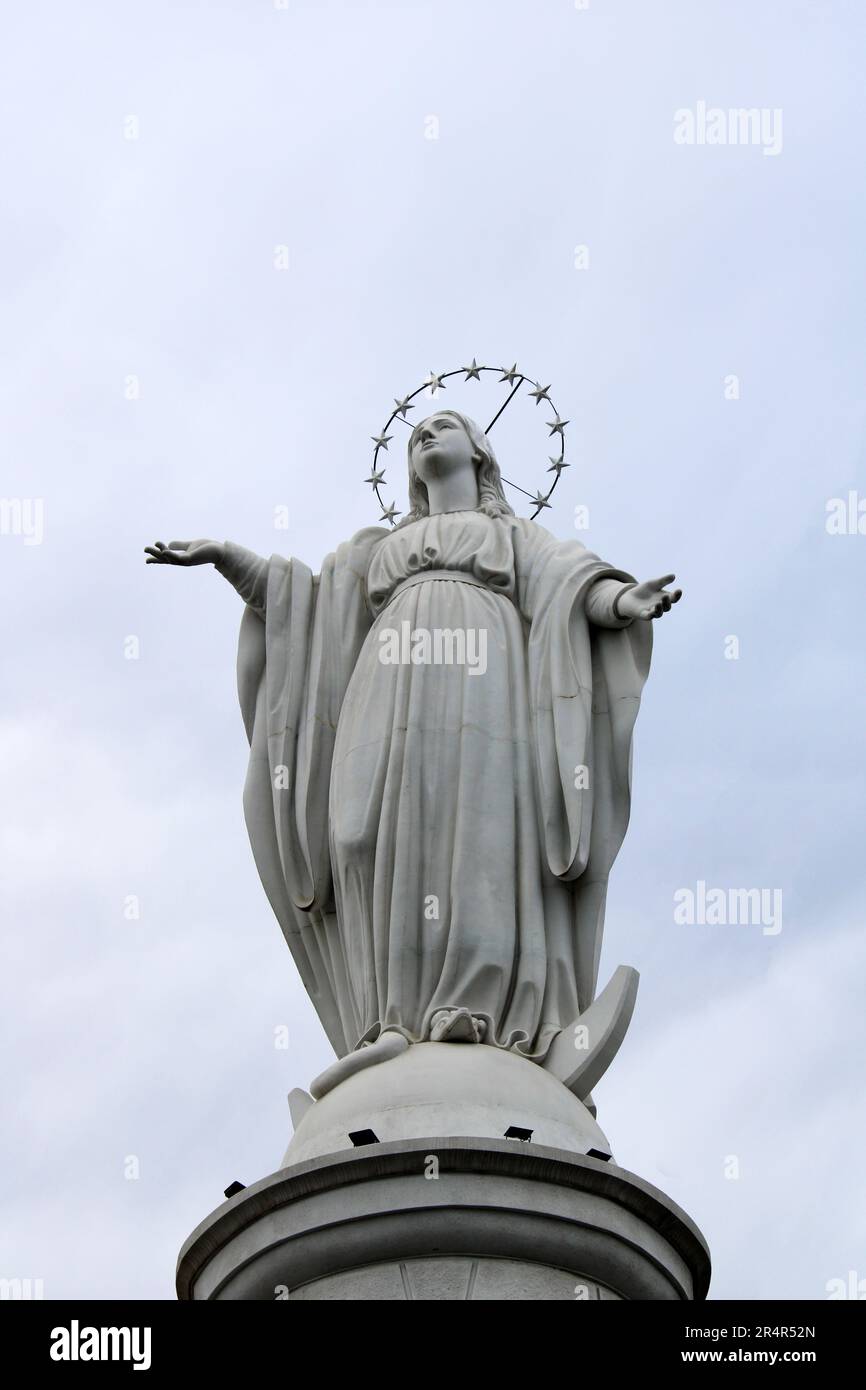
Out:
{"x": 202, "y": 552}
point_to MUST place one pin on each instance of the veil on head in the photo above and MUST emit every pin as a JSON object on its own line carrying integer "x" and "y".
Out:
{"x": 491, "y": 497}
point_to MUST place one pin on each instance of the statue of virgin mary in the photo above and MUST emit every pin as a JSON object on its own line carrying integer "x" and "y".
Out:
{"x": 440, "y": 726}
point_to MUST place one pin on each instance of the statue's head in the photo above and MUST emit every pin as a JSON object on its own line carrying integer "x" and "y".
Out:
{"x": 446, "y": 443}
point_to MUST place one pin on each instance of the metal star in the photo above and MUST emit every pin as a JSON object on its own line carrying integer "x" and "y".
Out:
{"x": 556, "y": 426}
{"x": 510, "y": 376}
{"x": 388, "y": 513}
{"x": 403, "y": 406}
{"x": 557, "y": 465}
{"x": 381, "y": 440}
{"x": 375, "y": 478}
{"x": 540, "y": 500}
{"x": 473, "y": 371}
{"x": 434, "y": 382}
{"x": 540, "y": 393}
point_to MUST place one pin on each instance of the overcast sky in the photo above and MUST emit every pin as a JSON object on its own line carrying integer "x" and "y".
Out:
{"x": 431, "y": 170}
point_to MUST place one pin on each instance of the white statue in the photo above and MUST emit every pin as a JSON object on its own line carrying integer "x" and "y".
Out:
{"x": 440, "y": 729}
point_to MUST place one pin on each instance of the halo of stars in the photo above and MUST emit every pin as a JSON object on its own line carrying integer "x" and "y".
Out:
{"x": 435, "y": 383}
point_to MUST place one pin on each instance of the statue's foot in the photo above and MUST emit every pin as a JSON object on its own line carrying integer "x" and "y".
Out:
{"x": 457, "y": 1025}
{"x": 386, "y": 1046}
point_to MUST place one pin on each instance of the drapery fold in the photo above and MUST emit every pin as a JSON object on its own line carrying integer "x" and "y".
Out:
{"x": 585, "y": 683}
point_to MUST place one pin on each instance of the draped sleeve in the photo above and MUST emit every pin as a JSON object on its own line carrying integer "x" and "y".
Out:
{"x": 299, "y": 642}
{"x": 585, "y": 688}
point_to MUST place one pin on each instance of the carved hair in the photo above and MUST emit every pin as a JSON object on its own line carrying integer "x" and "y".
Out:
{"x": 491, "y": 497}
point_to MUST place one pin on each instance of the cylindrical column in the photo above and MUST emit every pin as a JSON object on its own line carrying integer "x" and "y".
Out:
{"x": 447, "y": 1219}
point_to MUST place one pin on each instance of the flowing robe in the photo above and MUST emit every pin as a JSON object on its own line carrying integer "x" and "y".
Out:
{"x": 436, "y": 836}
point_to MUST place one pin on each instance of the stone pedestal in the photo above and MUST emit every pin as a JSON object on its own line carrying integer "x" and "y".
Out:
{"x": 402, "y": 1184}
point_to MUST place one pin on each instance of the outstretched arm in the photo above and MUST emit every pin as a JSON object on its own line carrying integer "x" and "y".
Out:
{"x": 610, "y": 603}
{"x": 245, "y": 571}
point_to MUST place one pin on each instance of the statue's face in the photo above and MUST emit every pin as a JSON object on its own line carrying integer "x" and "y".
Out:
{"x": 440, "y": 446}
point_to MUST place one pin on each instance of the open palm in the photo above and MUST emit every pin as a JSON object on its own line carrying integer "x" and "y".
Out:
{"x": 203, "y": 552}
{"x": 649, "y": 599}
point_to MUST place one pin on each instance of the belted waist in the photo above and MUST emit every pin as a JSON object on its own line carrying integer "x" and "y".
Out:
{"x": 460, "y": 576}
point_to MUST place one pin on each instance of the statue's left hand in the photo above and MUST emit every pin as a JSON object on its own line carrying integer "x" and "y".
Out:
{"x": 649, "y": 599}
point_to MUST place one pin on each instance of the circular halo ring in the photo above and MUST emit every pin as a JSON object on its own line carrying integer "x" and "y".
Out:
{"x": 433, "y": 384}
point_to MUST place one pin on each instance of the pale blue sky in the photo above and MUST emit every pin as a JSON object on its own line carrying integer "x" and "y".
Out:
{"x": 306, "y": 127}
